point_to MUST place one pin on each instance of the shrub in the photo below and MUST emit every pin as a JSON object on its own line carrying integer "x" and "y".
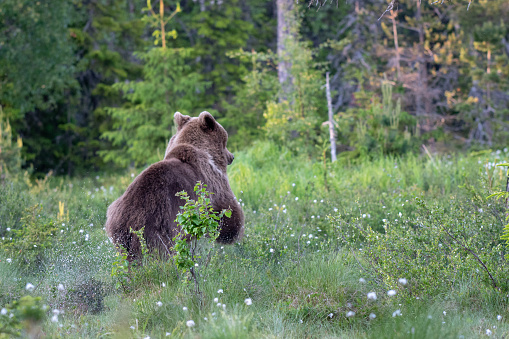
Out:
{"x": 30, "y": 242}
{"x": 22, "y": 317}
{"x": 436, "y": 250}
{"x": 196, "y": 220}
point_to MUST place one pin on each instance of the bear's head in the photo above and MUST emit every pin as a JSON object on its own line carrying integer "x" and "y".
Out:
{"x": 205, "y": 134}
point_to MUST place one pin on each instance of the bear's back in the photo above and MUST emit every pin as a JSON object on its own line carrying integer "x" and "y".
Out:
{"x": 150, "y": 202}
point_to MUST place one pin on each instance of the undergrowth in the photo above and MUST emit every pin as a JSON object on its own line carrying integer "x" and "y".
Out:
{"x": 391, "y": 248}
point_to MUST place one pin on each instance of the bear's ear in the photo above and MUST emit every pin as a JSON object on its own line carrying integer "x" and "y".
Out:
{"x": 180, "y": 120}
{"x": 207, "y": 121}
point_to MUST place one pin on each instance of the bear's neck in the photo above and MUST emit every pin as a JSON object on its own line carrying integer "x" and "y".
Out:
{"x": 209, "y": 172}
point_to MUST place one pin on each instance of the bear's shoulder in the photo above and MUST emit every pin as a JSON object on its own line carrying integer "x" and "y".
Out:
{"x": 186, "y": 153}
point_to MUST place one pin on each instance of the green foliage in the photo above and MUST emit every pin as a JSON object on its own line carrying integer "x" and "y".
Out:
{"x": 296, "y": 122}
{"x": 120, "y": 270}
{"x": 36, "y": 57}
{"x": 377, "y": 128}
{"x": 22, "y": 318}
{"x": 244, "y": 117}
{"x": 142, "y": 126}
{"x": 436, "y": 251}
{"x": 196, "y": 220}
{"x": 10, "y": 152}
{"x": 32, "y": 240}
{"x": 289, "y": 276}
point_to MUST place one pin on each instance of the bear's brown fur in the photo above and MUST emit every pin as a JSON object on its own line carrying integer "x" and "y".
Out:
{"x": 197, "y": 152}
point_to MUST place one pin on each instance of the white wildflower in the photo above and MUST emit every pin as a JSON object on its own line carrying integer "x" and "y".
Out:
{"x": 9, "y": 260}
{"x": 350, "y": 314}
{"x": 372, "y": 295}
{"x": 362, "y": 280}
{"x": 402, "y": 281}
{"x": 3, "y": 311}
{"x": 54, "y": 318}
{"x": 163, "y": 284}
{"x": 56, "y": 312}
{"x": 271, "y": 250}
{"x": 184, "y": 309}
{"x": 296, "y": 198}
{"x": 396, "y": 313}
{"x": 499, "y": 317}
{"x": 159, "y": 304}
{"x": 488, "y": 332}
{"x": 132, "y": 327}
{"x": 220, "y": 291}
{"x": 391, "y": 293}
{"x": 248, "y": 301}
{"x": 331, "y": 315}
{"x": 216, "y": 300}
{"x": 372, "y": 316}
{"x": 29, "y": 287}
{"x": 444, "y": 312}
{"x": 190, "y": 323}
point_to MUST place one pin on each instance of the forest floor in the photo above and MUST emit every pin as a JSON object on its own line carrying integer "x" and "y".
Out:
{"x": 390, "y": 248}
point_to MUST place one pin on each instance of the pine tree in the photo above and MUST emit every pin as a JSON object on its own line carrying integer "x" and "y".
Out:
{"x": 142, "y": 126}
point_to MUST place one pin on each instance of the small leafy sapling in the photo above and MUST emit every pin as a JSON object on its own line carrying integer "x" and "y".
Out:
{"x": 196, "y": 219}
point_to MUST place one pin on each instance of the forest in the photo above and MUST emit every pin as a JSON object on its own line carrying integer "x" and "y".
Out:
{"x": 371, "y": 143}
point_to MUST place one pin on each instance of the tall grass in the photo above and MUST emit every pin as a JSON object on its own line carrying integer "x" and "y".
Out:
{"x": 291, "y": 264}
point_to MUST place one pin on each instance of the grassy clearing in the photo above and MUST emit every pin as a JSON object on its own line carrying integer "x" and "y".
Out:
{"x": 305, "y": 277}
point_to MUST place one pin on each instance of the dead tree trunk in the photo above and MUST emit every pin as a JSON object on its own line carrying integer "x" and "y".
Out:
{"x": 332, "y": 132}
{"x": 285, "y": 22}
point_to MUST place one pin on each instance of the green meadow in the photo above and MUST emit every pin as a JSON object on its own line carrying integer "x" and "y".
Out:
{"x": 399, "y": 247}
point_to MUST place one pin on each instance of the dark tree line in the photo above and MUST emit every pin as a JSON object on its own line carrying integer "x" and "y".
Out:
{"x": 80, "y": 79}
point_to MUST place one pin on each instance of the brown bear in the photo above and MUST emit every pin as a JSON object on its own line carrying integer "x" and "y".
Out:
{"x": 197, "y": 152}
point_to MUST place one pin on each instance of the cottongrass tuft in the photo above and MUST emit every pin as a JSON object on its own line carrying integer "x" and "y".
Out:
{"x": 402, "y": 281}
{"x": 190, "y": 323}
{"x": 372, "y": 296}
{"x": 248, "y": 301}
{"x": 391, "y": 293}
{"x": 350, "y": 314}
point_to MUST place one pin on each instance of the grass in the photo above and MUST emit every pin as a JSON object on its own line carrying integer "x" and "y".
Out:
{"x": 303, "y": 280}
